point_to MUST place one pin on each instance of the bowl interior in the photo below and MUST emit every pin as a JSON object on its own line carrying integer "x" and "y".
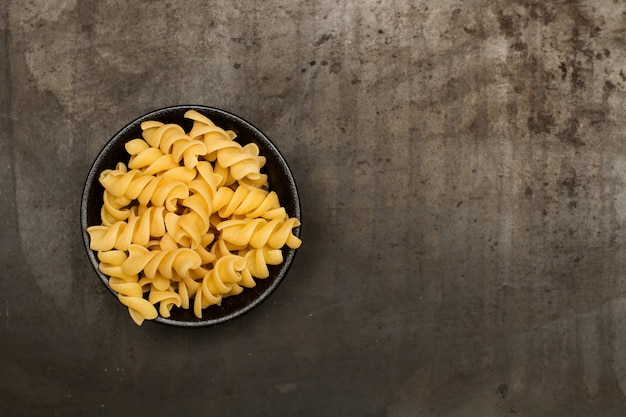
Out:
{"x": 279, "y": 177}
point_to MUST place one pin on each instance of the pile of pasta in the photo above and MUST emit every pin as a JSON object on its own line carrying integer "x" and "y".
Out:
{"x": 189, "y": 221}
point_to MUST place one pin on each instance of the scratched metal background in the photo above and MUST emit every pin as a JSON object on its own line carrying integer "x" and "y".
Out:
{"x": 462, "y": 168}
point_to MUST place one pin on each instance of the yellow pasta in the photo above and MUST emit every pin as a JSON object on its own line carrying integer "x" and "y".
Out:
{"x": 249, "y": 201}
{"x": 259, "y": 232}
{"x": 242, "y": 162}
{"x": 188, "y": 221}
{"x": 257, "y": 260}
{"x": 128, "y": 286}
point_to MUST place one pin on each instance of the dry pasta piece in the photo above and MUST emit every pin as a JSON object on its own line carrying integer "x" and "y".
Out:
{"x": 172, "y": 140}
{"x": 257, "y": 260}
{"x": 127, "y": 286}
{"x": 137, "y": 229}
{"x": 249, "y": 201}
{"x": 243, "y": 162}
{"x": 124, "y": 183}
{"x": 219, "y": 282}
{"x": 148, "y": 159}
{"x": 188, "y": 221}
{"x": 163, "y": 191}
{"x": 260, "y": 232}
{"x": 171, "y": 264}
{"x": 166, "y": 299}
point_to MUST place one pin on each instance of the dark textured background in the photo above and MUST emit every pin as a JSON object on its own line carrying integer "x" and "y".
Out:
{"x": 462, "y": 168}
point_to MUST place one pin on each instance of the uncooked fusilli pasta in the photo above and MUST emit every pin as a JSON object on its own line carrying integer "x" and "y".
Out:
{"x": 188, "y": 221}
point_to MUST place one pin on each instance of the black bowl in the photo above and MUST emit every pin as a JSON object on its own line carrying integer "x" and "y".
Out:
{"x": 279, "y": 177}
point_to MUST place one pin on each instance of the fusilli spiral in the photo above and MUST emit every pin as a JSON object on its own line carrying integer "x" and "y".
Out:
{"x": 128, "y": 287}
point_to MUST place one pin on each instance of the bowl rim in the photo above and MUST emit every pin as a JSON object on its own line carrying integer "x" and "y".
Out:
{"x": 93, "y": 174}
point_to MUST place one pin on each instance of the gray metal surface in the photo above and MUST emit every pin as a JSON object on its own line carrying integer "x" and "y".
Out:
{"x": 462, "y": 169}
